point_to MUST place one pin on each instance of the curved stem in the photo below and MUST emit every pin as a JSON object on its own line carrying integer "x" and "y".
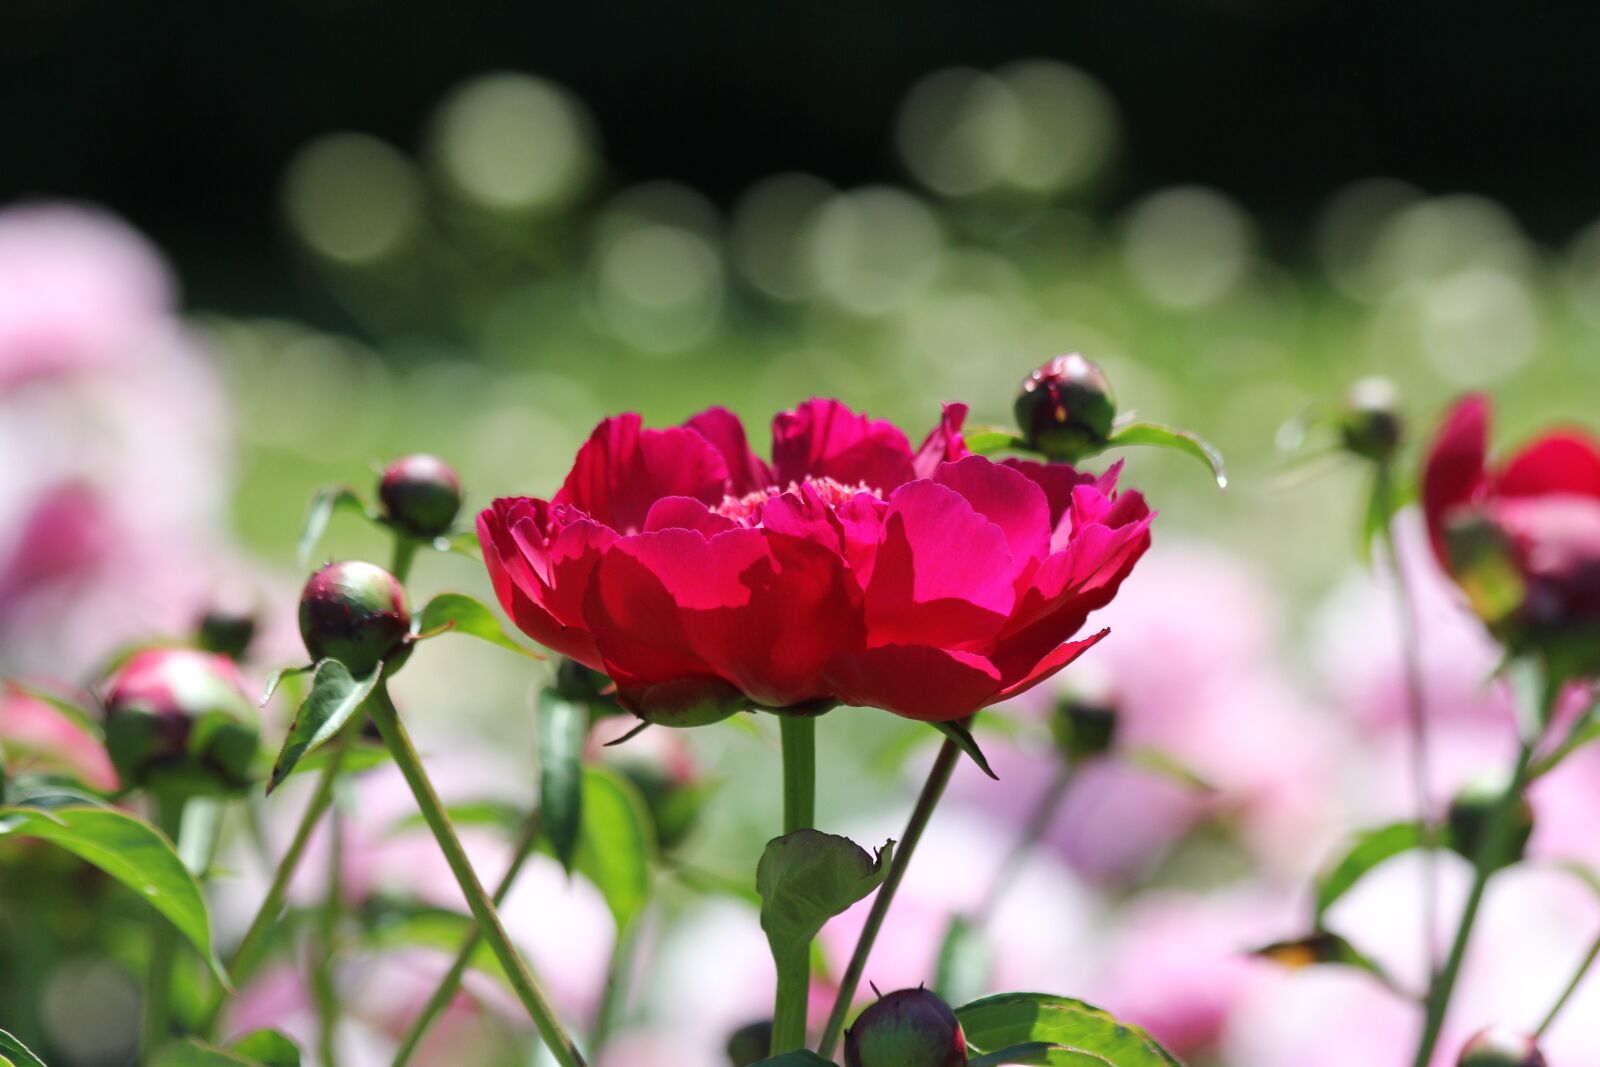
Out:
{"x": 323, "y": 987}
{"x": 245, "y": 955}
{"x": 521, "y": 977}
{"x": 163, "y": 946}
{"x": 1033, "y": 831}
{"x": 1572, "y": 987}
{"x": 1416, "y": 719}
{"x": 938, "y": 777}
{"x": 451, "y": 982}
{"x": 799, "y": 813}
{"x": 1490, "y": 856}
{"x": 611, "y": 1000}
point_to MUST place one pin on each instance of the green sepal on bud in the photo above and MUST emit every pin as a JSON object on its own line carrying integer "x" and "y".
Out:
{"x": 1471, "y": 814}
{"x": 178, "y": 723}
{"x": 1065, "y": 408}
{"x": 1083, "y": 729}
{"x": 355, "y": 612}
{"x": 1369, "y": 421}
{"x": 1498, "y": 1047}
{"x": 908, "y": 1028}
{"x": 420, "y": 496}
{"x": 749, "y": 1044}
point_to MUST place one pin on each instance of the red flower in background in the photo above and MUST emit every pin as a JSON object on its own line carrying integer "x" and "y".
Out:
{"x": 850, "y": 569}
{"x": 1521, "y": 537}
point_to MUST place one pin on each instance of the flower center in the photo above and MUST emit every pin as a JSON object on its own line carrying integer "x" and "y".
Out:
{"x": 746, "y": 510}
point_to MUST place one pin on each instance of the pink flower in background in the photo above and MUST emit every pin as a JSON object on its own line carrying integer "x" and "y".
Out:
{"x": 38, "y": 738}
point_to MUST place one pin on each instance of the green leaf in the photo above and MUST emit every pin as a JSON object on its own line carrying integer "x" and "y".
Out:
{"x": 279, "y": 676}
{"x": 1148, "y": 433}
{"x": 958, "y": 733}
{"x": 269, "y": 1048}
{"x": 964, "y": 961}
{"x": 359, "y": 757}
{"x": 1167, "y": 766}
{"x": 195, "y": 1053}
{"x": 335, "y": 696}
{"x": 982, "y": 440}
{"x": 323, "y": 505}
{"x": 135, "y": 854}
{"x": 464, "y": 543}
{"x": 464, "y": 615}
{"x": 1040, "y": 1052}
{"x": 617, "y": 845}
{"x": 563, "y": 728}
{"x": 806, "y": 878}
{"x": 1371, "y": 848}
{"x": 1323, "y": 947}
{"x": 1001, "y": 1022}
{"x": 803, "y": 1058}
{"x": 73, "y": 712}
{"x": 16, "y": 1053}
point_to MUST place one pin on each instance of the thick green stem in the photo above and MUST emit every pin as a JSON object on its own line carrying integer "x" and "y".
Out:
{"x": 451, "y": 982}
{"x": 163, "y": 946}
{"x": 405, "y": 551}
{"x": 522, "y": 980}
{"x": 1572, "y": 987}
{"x": 938, "y": 777}
{"x": 1490, "y": 857}
{"x": 245, "y": 956}
{"x": 799, "y": 813}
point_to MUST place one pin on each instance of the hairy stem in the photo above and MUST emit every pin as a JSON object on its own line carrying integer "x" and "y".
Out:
{"x": 944, "y": 765}
{"x": 521, "y": 977}
{"x": 799, "y": 813}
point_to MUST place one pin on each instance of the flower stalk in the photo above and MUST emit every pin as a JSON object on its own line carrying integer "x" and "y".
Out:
{"x": 1572, "y": 987}
{"x": 163, "y": 943}
{"x": 799, "y": 813}
{"x": 521, "y": 977}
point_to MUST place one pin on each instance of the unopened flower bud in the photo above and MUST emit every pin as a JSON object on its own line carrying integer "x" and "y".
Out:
{"x": 355, "y": 612}
{"x": 420, "y": 495}
{"x": 1471, "y": 813}
{"x": 1083, "y": 728}
{"x": 1369, "y": 423}
{"x": 227, "y": 630}
{"x": 1065, "y": 408}
{"x": 910, "y": 1028}
{"x": 178, "y": 721}
{"x": 750, "y": 1043}
{"x": 1498, "y": 1047}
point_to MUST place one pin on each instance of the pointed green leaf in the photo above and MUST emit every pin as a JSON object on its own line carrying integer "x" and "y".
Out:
{"x": 1040, "y": 1053}
{"x": 279, "y": 676}
{"x": 16, "y": 1053}
{"x": 1371, "y": 848}
{"x": 335, "y": 696}
{"x": 195, "y": 1053}
{"x": 617, "y": 845}
{"x": 1322, "y": 947}
{"x": 1010, "y": 1019}
{"x": 962, "y": 738}
{"x": 131, "y": 851}
{"x": 806, "y": 878}
{"x": 323, "y": 505}
{"x": 269, "y": 1048}
{"x": 983, "y": 440}
{"x": 1148, "y": 433}
{"x": 563, "y": 728}
{"x": 464, "y": 615}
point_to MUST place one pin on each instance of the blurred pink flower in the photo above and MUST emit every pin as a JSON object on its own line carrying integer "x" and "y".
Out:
{"x": 37, "y": 737}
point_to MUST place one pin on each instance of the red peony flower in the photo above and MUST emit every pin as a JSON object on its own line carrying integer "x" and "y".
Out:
{"x": 850, "y": 569}
{"x": 1522, "y": 538}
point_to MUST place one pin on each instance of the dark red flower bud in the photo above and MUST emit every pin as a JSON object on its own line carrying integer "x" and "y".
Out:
{"x": 1497, "y": 1047}
{"x": 910, "y": 1028}
{"x": 226, "y": 629}
{"x": 1083, "y": 728}
{"x": 1473, "y": 810}
{"x": 420, "y": 495}
{"x": 178, "y": 721}
{"x": 355, "y": 612}
{"x": 1065, "y": 408}
{"x": 750, "y": 1043}
{"x": 1369, "y": 423}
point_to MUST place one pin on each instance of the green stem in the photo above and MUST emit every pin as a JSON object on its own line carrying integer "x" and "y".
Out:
{"x": 451, "y": 982}
{"x": 1033, "y": 832}
{"x": 799, "y": 813}
{"x": 323, "y": 988}
{"x": 616, "y": 990}
{"x": 938, "y": 777}
{"x": 1572, "y": 987}
{"x": 163, "y": 945}
{"x": 405, "y": 551}
{"x": 1416, "y": 719}
{"x": 245, "y": 956}
{"x": 522, "y": 980}
{"x": 1490, "y": 857}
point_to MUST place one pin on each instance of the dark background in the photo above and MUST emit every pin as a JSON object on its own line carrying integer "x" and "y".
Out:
{"x": 181, "y": 114}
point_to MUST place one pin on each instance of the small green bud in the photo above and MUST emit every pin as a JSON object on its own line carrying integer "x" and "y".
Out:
{"x": 1369, "y": 423}
{"x": 1497, "y": 1047}
{"x": 1065, "y": 408}
{"x": 749, "y": 1044}
{"x": 1083, "y": 729}
{"x": 420, "y": 495}
{"x": 910, "y": 1028}
{"x": 226, "y": 630}
{"x": 356, "y": 613}
{"x": 1473, "y": 810}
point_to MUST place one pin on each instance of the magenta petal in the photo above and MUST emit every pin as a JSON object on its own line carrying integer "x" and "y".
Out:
{"x": 747, "y": 472}
{"x": 623, "y": 469}
{"x": 944, "y": 444}
{"x": 1056, "y": 480}
{"x": 1564, "y": 462}
{"x": 1058, "y": 658}
{"x": 825, "y": 439}
{"x": 1006, "y": 498}
{"x": 1454, "y": 471}
{"x": 686, "y": 513}
{"x": 930, "y": 684}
